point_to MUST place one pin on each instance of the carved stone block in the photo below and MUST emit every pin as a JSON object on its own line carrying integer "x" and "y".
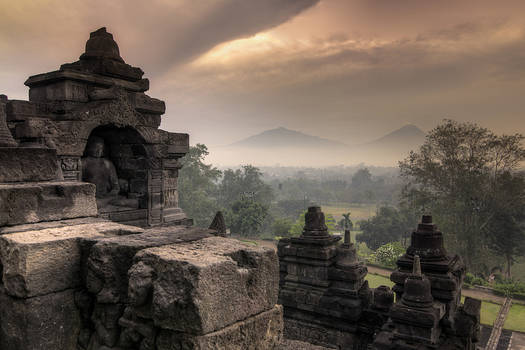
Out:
{"x": 46, "y": 260}
{"x": 41, "y": 323}
{"x": 202, "y": 286}
{"x": 45, "y": 201}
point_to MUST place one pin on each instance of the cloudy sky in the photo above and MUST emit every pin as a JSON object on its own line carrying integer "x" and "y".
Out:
{"x": 349, "y": 70}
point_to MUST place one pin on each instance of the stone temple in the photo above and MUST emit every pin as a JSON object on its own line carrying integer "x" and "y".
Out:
{"x": 95, "y": 253}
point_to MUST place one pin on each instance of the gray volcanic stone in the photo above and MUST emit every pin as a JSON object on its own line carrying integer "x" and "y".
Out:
{"x": 49, "y": 224}
{"x": 42, "y": 323}
{"x": 49, "y": 260}
{"x": 262, "y": 331}
{"x": 28, "y": 164}
{"x": 203, "y": 286}
{"x": 111, "y": 258}
{"x": 288, "y": 344}
{"x": 45, "y": 201}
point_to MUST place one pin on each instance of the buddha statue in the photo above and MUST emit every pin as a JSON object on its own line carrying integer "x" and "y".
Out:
{"x": 99, "y": 170}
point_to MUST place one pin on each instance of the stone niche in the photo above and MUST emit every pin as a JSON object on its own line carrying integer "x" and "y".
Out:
{"x": 101, "y": 99}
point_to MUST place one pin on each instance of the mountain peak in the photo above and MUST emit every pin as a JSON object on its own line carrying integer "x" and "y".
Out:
{"x": 283, "y": 137}
{"x": 408, "y": 134}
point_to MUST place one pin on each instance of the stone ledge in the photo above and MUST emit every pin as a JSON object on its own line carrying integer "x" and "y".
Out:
{"x": 111, "y": 258}
{"x": 25, "y": 203}
{"x": 60, "y": 75}
{"x": 48, "y": 260}
{"x": 201, "y": 286}
{"x": 262, "y": 331}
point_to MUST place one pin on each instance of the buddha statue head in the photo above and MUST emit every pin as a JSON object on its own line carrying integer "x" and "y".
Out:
{"x": 95, "y": 147}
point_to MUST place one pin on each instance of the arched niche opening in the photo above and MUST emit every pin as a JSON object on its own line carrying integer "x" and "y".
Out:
{"x": 116, "y": 161}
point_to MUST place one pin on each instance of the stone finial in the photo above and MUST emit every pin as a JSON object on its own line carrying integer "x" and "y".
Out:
{"x": 416, "y": 269}
{"x": 101, "y": 45}
{"x": 427, "y": 241}
{"x": 6, "y": 139}
{"x": 314, "y": 223}
{"x": 418, "y": 292}
{"x": 218, "y": 224}
{"x": 347, "y": 237}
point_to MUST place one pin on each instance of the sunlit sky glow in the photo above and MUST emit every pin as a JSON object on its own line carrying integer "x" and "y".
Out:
{"x": 350, "y": 70}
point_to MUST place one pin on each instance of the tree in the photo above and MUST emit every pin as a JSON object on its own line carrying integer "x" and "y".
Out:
{"x": 362, "y": 179}
{"x": 388, "y": 225}
{"x": 292, "y": 208}
{"x": 506, "y": 231}
{"x": 244, "y": 183}
{"x": 281, "y": 227}
{"x": 388, "y": 254}
{"x": 297, "y": 228}
{"x": 198, "y": 186}
{"x": 246, "y": 217}
{"x": 455, "y": 176}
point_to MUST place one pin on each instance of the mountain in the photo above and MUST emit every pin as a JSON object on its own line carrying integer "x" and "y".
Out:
{"x": 282, "y": 137}
{"x": 293, "y": 148}
{"x": 409, "y": 135}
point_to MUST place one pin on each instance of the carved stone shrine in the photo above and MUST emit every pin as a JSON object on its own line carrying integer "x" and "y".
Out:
{"x": 105, "y": 130}
{"x": 87, "y": 152}
{"x": 328, "y": 303}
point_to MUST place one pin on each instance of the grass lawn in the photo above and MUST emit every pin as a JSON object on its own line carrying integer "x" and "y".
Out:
{"x": 516, "y": 318}
{"x": 358, "y": 211}
{"x": 489, "y": 312}
{"x": 375, "y": 281}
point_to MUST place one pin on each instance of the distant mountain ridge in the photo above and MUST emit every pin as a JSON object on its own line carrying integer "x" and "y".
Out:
{"x": 293, "y": 148}
{"x": 283, "y": 137}
{"x": 408, "y": 134}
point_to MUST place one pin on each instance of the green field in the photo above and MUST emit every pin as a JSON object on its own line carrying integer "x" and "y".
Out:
{"x": 489, "y": 312}
{"x": 516, "y": 318}
{"x": 358, "y": 211}
{"x": 375, "y": 281}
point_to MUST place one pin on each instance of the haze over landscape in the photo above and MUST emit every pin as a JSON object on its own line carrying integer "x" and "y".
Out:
{"x": 347, "y": 71}
{"x": 293, "y": 148}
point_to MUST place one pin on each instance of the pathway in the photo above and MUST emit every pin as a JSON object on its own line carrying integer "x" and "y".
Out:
{"x": 498, "y": 325}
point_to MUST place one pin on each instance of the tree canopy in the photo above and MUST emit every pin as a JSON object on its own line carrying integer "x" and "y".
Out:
{"x": 388, "y": 225}
{"x": 198, "y": 186}
{"x": 457, "y": 175}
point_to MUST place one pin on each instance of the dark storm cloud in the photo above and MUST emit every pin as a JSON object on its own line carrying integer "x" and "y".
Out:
{"x": 38, "y": 36}
{"x": 228, "y": 20}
